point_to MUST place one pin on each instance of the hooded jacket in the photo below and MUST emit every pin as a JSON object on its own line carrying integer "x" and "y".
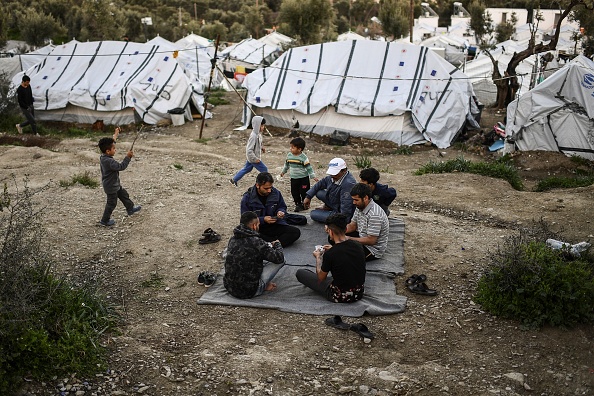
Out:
{"x": 253, "y": 148}
{"x": 246, "y": 253}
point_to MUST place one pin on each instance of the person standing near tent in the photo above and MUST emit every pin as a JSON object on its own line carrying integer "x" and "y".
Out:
{"x": 253, "y": 151}
{"x": 25, "y": 99}
{"x": 381, "y": 193}
{"x": 301, "y": 170}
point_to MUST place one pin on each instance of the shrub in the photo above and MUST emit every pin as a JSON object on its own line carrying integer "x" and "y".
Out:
{"x": 530, "y": 282}
{"x": 362, "y": 162}
{"x": 564, "y": 182}
{"x": 48, "y": 325}
{"x": 84, "y": 179}
{"x": 501, "y": 168}
{"x": 403, "y": 150}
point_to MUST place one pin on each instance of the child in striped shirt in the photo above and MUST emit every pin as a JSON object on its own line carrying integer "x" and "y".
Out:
{"x": 301, "y": 172}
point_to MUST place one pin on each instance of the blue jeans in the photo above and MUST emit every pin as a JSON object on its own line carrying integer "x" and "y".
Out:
{"x": 321, "y": 215}
{"x": 268, "y": 273}
{"x": 247, "y": 168}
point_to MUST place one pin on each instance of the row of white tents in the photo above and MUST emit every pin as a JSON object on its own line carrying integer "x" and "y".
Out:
{"x": 381, "y": 90}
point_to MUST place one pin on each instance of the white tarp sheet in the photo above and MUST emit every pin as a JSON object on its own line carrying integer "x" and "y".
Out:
{"x": 557, "y": 115}
{"x": 106, "y": 76}
{"x": 365, "y": 78}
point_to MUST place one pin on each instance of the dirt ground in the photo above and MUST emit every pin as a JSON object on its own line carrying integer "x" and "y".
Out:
{"x": 170, "y": 345}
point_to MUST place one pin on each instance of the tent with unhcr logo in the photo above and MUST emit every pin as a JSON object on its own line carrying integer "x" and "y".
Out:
{"x": 379, "y": 90}
{"x": 117, "y": 82}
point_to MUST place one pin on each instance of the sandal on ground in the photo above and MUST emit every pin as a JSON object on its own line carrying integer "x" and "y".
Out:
{"x": 336, "y": 321}
{"x": 362, "y": 330}
{"x": 414, "y": 279}
{"x": 209, "y": 238}
{"x": 208, "y": 231}
{"x": 421, "y": 288}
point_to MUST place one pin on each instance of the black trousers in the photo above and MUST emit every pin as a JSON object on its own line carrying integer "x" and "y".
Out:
{"x": 29, "y": 114}
{"x": 286, "y": 234}
{"x": 298, "y": 189}
{"x": 112, "y": 201}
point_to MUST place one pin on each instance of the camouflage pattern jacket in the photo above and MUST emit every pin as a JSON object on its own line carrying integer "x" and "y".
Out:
{"x": 246, "y": 253}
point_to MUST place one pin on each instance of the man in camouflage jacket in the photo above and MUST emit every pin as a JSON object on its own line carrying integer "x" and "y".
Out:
{"x": 246, "y": 275}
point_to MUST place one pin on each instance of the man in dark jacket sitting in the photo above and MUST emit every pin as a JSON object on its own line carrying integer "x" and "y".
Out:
{"x": 269, "y": 205}
{"x": 381, "y": 193}
{"x": 246, "y": 275}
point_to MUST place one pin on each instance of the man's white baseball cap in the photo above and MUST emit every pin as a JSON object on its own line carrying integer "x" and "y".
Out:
{"x": 335, "y": 166}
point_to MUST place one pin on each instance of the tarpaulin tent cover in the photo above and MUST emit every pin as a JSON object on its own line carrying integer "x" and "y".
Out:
{"x": 364, "y": 81}
{"x": 108, "y": 78}
{"x": 557, "y": 115}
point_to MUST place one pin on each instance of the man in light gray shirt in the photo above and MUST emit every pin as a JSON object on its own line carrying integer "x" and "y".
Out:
{"x": 370, "y": 225}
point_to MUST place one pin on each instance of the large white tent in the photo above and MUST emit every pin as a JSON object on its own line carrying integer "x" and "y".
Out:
{"x": 557, "y": 115}
{"x": 367, "y": 88}
{"x": 109, "y": 81}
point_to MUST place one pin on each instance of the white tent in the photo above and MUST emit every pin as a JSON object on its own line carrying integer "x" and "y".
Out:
{"x": 18, "y": 62}
{"x": 346, "y": 36}
{"x": 367, "y": 88}
{"x": 557, "y": 115}
{"x": 192, "y": 40}
{"x": 109, "y": 81}
{"x": 276, "y": 39}
{"x": 454, "y": 47}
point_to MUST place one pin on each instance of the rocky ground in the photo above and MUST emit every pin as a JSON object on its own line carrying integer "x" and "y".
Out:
{"x": 170, "y": 345}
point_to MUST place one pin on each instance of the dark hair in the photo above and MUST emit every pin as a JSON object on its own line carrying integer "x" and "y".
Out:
{"x": 105, "y": 144}
{"x": 26, "y": 78}
{"x": 248, "y": 218}
{"x": 264, "y": 178}
{"x": 263, "y": 121}
{"x": 298, "y": 142}
{"x": 370, "y": 175}
{"x": 361, "y": 190}
{"x": 337, "y": 222}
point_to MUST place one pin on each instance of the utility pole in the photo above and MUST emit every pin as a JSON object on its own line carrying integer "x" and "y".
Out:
{"x": 411, "y": 22}
{"x": 195, "y": 13}
{"x": 179, "y": 16}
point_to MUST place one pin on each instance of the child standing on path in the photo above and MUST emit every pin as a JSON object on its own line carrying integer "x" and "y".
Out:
{"x": 110, "y": 178}
{"x": 301, "y": 171}
{"x": 253, "y": 151}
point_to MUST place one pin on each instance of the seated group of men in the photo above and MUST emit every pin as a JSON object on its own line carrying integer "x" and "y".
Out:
{"x": 355, "y": 218}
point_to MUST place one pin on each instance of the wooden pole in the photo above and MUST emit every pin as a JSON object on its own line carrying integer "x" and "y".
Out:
{"x": 213, "y": 63}
{"x": 411, "y": 22}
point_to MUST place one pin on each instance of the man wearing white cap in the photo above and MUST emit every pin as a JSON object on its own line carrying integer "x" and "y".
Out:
{"x": 334, "y": 190}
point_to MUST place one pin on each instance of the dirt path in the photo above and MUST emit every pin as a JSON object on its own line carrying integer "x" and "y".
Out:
{"x": 169, "y": 345}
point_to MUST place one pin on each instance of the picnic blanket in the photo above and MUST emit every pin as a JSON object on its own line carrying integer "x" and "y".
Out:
{"x": 291, "y": 296}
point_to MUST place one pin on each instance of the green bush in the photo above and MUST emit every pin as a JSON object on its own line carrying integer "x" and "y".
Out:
{"x": 49, "y": 324}
{"x": 362, "y": 162}
{"x": 536, "y": 285}
{"x": 564, "y": 182}
{"x": 84, "y": 179}
{"x": 403, "y": 150}
{"x": 501, "y": 168}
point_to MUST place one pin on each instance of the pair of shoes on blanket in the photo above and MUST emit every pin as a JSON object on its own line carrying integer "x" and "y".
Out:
{"x": 206, "y": 278}
{"x": 416, "y": 284}
{"x": 359, "y": 328}
{"x": 209, "y": 236}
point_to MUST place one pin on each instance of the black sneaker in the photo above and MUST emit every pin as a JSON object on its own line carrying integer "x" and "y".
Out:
{"x": 299, "y": 208}
{"x": 209, "y": 279}
{"x": 233, "y": 182}
{"x": 201, "y": 278}
{"x": 107, "y": 223}
{"x": 134, "y": 210}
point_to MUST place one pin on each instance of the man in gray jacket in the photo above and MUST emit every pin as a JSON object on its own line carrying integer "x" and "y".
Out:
{"x": 246, "y": 275}
{"x": 334, "y": 190}
{"x": 110, "y": 178}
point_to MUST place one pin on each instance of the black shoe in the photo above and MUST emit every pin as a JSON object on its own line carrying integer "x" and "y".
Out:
{"x": 233, "y": 182}
{"x": 209, "y": 279}
{"x": 107, "y": 223}
{"x": 299, "y": 208}
{"x": 202, "y": 277}
{"x": 134, "y": 210}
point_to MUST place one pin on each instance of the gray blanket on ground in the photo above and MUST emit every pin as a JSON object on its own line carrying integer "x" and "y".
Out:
{"x": 291, "y": 296}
